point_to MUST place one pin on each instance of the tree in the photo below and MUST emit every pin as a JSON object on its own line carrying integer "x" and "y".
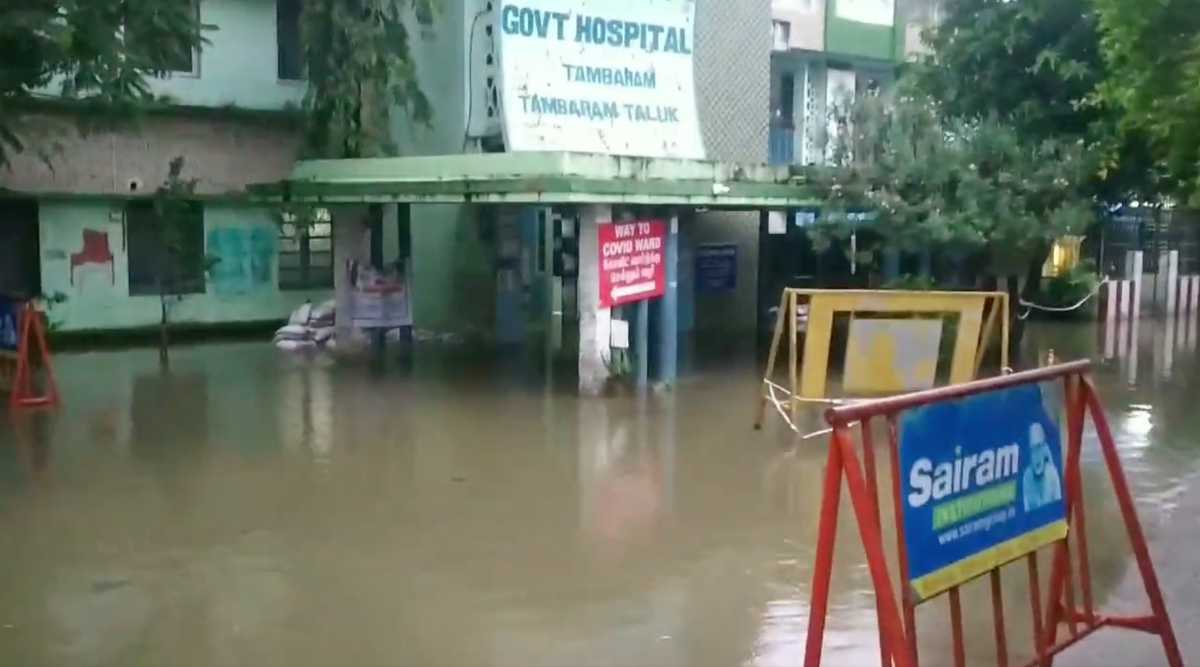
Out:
{"x": 1034, "y": 65}
{"x": 967, "y": 186}
{"x": 359, "y": 67}
{"x": 99, "y": 53}
{"x": 1151, "y": 49}
{"x": 975, "y": 188}
{"x": 179, "y": 263}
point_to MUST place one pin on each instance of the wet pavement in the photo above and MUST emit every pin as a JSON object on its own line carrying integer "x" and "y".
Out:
{"x": 252, "y": 508}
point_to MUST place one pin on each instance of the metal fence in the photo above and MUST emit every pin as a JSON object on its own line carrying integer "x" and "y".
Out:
{"x": 1151, "y": 231}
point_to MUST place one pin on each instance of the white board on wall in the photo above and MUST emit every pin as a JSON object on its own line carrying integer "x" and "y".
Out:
{"x": 874, "y": 12}
{"x": 600, "y": 76}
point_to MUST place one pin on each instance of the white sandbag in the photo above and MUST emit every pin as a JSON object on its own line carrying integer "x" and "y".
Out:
{"x": 292, "y": 332}
{"x": 295, "y": 345}
{"x": 301, "y": 315}
{"x": 323, "y": 312}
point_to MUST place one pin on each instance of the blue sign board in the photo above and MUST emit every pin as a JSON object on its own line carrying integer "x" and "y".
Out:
{"x": 9, "y": 311}
{"x": 716, "y": 268}
{"x": 982, "y": 484}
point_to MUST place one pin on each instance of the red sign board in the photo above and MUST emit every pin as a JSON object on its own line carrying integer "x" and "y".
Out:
{"x": 631, "y": 261}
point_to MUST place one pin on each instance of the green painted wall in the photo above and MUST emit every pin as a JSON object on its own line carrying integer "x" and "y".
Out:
{"x": 239, "y": 66}
{"x": 454, "y": 282}
{"x": 852, "y": 38}
{"x": 243, "y": 286}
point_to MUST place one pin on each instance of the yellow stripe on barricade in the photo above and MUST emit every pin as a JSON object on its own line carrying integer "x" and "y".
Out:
{"x": 981, "y": 563}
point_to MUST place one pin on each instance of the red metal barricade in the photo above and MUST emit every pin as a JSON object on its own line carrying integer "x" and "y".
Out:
{"x": 21, "y": 368}
{"x": 897, "y": 618}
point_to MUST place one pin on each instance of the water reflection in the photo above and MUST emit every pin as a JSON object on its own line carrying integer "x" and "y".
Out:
{"x": 252, "y": 508}
{"x": 1164, "y": 340}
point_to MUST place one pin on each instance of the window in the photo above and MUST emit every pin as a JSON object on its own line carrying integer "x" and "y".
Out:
{"x": 169, "y": 57}
{"x": 787, "y": 101}
{"x": 177, "y": 262}
{"x": 287, "y": 36}
{"x": 20, "y": 269}
{"x": 781, "y": 32}
{"x": 306, "y": 253}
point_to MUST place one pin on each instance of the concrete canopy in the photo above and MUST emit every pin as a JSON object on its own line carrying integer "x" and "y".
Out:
{"x": 542, "y": 178}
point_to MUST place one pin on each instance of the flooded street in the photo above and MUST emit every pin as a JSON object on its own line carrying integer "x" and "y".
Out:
{"x": 251, "y": 508}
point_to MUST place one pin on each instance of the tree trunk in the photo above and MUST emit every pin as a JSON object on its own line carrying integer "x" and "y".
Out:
{"x": 1024, "y": 288}
{"x": 163, "y": 341}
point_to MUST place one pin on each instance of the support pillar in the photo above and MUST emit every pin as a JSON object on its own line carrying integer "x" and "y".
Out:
{"x": 642, "y": 343}
{"x": 926, "y": 264}
{"x": 1134, "y": 265}
{"x": 351, "y": 244}
{"x": 891, "y": 265}
{"x": 595, "y": 322}
{"x": 1172, "y": 282}
{"x": 668, "y": 314}
{"x": 375, "y": 226}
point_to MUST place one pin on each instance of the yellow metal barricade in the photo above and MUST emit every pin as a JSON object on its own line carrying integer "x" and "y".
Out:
{"x": 892, "y": 345}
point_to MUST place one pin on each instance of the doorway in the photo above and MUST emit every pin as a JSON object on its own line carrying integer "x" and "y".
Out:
{"x": 20, "y": 266}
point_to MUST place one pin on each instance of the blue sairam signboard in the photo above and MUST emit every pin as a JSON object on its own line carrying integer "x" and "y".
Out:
{"x": 9, "y": 311}
{"x": 981, "y": 484}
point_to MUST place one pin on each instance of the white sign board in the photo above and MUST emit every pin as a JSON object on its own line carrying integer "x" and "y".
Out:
{"x": 599, "y": 76}
{"x": 776, "y": 222}
{"x": 875, "y": 12}
{"x": 620, "y": 335}
{"x": 380, "y": 300}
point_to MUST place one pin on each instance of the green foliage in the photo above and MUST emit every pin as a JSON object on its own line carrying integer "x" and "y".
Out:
{"x": 1069, "y": 288}
{"x": 1152, "y": 52}
{"x": 359, "y": 67}
{"x": 98, "y": 52}
{"x": 174, "y": 208}
{"x": 966, "y": 187}
{"x": 911, "y": 283}
{"x": 50, "y": 303}
{"x": 1034, "y": 66}
{"x": 619, "y": 363}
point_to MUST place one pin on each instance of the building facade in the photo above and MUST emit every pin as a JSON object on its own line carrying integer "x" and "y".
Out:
{"x": 82, "y": 225}
{"x": 75, "y": 214}
{"x": 824, "y": 53}
{"x": 477, "y": 275}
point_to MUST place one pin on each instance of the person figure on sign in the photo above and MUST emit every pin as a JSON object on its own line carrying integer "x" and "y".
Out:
{"x": 1041, "y": 482}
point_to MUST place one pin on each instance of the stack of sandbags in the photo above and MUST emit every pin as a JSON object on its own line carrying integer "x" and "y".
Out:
{"x": 320, "y": 323}
{"x": 308, "y": 328}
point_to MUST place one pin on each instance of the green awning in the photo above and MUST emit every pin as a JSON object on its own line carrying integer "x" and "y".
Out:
{"x": 542, "y": 178}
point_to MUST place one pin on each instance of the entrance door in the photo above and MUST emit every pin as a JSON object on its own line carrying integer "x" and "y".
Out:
{"x": 20, "y": 268}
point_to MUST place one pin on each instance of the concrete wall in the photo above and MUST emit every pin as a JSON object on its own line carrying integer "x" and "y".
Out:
{"x": 454, "y": 284}
{"x": 806, "y": 19}
{"x": 243, "y": 286}
{"x": 239, "y": 65}
{"x": 733, "y": 78}
{"x": 224, "y": 154}
{"x": 855, "y": 38}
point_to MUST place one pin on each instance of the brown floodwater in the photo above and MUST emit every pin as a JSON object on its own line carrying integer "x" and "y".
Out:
{"x": 256, "y": 508}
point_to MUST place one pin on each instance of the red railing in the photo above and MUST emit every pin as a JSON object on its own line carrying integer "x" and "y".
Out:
{"x": 897, "y": 618}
